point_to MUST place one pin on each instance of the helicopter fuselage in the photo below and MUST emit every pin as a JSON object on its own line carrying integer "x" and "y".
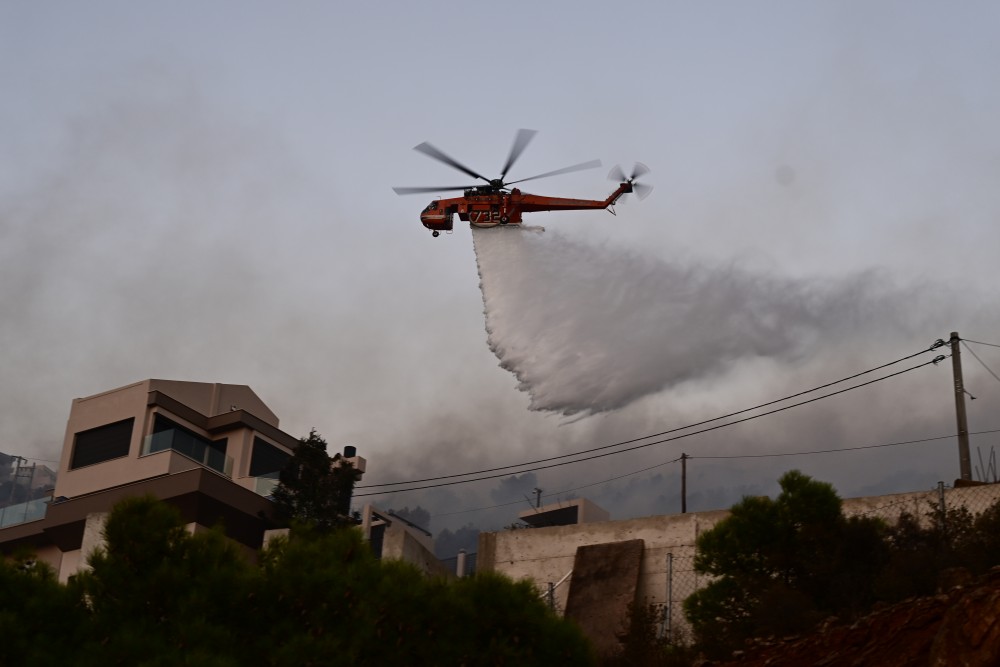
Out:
{"x": 488, "y": 207}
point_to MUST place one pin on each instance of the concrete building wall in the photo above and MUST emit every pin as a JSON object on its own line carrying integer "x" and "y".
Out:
{"x": 563, "y": 513}
{"x": 401, "y": 544}
{"x": 546, "y": 555}
{"x": 133, "y": 402}
{"x": 591, "y": 512}
{"x": 400, "y": 540}
{"x": 188, "y": 472}
{"x": 50, "y": 555}
{"x": 70, "y": 564}
{"x": 240, "y": 447}
{"x": 99, "y": 410}
{"x": 921, "y": 503}
{"x": 212, "y": 399}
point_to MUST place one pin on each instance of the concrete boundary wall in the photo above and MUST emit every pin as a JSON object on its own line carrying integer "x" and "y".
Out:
{"x": 546, "y": 555}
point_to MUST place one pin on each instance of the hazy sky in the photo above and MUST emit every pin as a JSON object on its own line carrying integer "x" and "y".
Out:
{"x": 202, "y": 191}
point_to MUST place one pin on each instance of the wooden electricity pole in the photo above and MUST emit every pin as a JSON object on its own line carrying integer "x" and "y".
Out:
{"x": 684, "y": 483}
{"x": 964, "y": 459}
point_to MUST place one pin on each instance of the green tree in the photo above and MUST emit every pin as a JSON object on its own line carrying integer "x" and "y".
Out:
{"x": 315, "y": 488}
{"x": 782, "y": 565}
{"x": 158, "y": 595}
{"x": 41, "y": 621}
{"x": 926, "y": 555}
{"x": 331, "y": 602}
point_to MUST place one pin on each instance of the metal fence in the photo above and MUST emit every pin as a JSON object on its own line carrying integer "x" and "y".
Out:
{"x": 681, "y": 580}
{"x": 929, "y": 506}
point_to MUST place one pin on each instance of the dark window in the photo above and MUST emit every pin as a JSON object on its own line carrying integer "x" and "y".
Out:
{"x": 102, "y": 444}
{"x": 171, "y": 435}
{"x": 267, "y": 459}
{"x": 161, "y": 424}
{"x": 376, "y": 539}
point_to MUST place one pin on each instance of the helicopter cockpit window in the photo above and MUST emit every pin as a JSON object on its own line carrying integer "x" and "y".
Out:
{"x": 432, "y": 206}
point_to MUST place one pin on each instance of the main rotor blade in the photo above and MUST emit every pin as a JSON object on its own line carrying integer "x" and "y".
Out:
{"x": 417, "y": 191}
{"x": 521, "y": 141}
{"x": 593, "y": 164}
{"x": 431, "y": 151}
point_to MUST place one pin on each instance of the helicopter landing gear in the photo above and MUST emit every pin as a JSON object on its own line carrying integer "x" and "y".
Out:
{"x": 435, "y": 233}
{"x": 504, "y": 219}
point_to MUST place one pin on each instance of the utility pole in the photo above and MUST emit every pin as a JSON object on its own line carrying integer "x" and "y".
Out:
{"x": 12, "y": 500}
{"x": 684, "y": 483}
{"x": 964, "y": 459}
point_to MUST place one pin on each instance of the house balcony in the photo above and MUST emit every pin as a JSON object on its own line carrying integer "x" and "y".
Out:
{"x": 192, "y": 447}
{"x": 33, "y": 510}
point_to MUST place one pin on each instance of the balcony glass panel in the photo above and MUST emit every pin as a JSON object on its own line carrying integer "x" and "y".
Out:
{"x": 190, "y": 446}
{"x": 264, "y": 485}
{"x": 32, "y": 510}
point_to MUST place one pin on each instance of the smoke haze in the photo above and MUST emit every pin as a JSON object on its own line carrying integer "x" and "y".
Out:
{"x": 192, "y": 197}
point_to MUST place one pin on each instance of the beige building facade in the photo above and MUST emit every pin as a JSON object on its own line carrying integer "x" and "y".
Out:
{"x": 211, "y": 450}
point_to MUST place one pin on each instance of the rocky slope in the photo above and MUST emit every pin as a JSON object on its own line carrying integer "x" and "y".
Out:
{"x": 958, "y": 627}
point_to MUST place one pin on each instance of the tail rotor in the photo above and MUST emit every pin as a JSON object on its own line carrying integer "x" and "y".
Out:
{"x": 641, "y": 190}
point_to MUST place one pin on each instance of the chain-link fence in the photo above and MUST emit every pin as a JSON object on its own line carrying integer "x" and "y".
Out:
{"x": 926, "y": 507}
{"x": 680, "y": 581}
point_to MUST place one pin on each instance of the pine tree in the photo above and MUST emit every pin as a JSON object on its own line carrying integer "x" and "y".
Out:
{"x": 314, "y": 488}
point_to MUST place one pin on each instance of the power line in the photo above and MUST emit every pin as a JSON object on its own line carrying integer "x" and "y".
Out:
{"x": 934, "y": 361}
{"x": 734, "y": 456}
{"x": 564, "y": 491}
{"x": 977, "y": 342}
{"x": 973, "y": 353}
{"x": 842, "y": 449}
{"x": 483, "y": 509}
{"x": 938, "y": 343}
{"x": 31, "y": 458}
{"x": 617, "y": 477}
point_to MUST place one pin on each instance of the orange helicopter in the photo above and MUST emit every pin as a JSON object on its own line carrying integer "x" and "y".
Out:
{"x": 497, "y": 204}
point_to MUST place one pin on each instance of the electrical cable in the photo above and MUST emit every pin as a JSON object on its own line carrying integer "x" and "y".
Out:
{"x": 843, "y": 449}
{"x": 564, "y": 491}
{"x": 977, "y": 342}
{"x": 983, "y": 363}
{"x": 734, "y": 456}
{"x": 938, "y": 343}
{"x": 934, "y": 361}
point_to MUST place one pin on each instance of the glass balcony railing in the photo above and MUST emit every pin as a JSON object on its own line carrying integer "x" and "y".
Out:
{"x": 190, "y": 446}
{"x": 23, "y": 512}
{"x": 264, "y": 485}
